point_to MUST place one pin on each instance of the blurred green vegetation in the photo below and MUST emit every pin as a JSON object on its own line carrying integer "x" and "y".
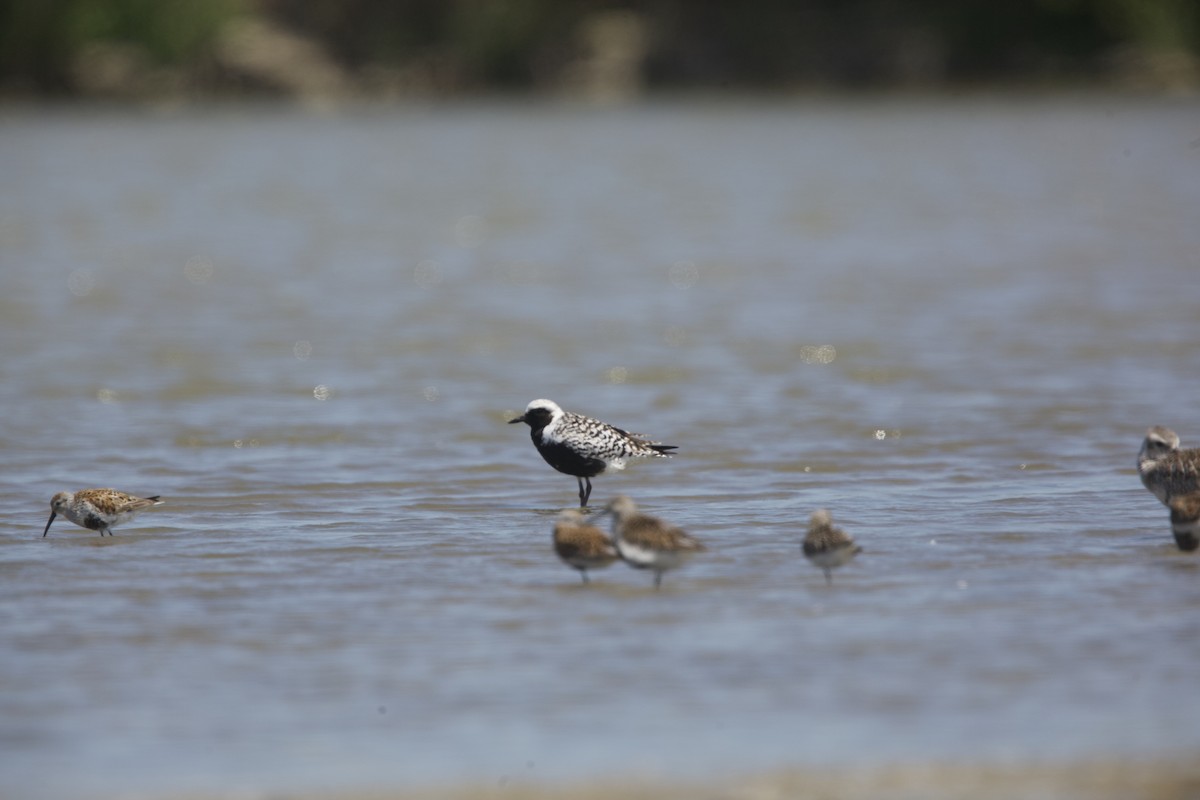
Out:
{"x": 40, "y": 40}
{"x": 479, "y": 45}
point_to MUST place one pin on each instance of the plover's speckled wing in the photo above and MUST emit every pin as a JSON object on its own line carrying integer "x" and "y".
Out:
{"x": 595, "y": 439}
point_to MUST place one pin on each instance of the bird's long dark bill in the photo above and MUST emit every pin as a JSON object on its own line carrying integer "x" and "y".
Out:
{"x": 53, "y": 514}
{"x": 518, "y": 419}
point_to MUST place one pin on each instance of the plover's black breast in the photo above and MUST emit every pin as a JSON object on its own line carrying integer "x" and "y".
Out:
{"x": 570, "y": 460}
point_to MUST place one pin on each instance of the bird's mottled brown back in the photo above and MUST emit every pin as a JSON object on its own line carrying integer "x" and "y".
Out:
{"x": 823, "y": 536}
{"x": 573, "y": 540}
{"x": 652, "y": 533}
{"x": 111, "y": 501}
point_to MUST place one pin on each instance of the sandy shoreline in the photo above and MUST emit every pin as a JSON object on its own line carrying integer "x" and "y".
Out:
{"x": 1086, "y": 780}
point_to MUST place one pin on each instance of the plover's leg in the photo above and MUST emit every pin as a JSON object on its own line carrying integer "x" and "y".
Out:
{"x": 583, "y": 572}
{"x": 828, "y": 576}
{"x": 658, "y": 578}
{"x": 584, "y": 493}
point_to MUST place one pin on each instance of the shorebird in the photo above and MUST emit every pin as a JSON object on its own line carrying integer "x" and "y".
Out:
{"x": 1173, "y": 476}
{"x": 97, "y": 509}
{"x": 1166, "y": 470}
{"x": 647, "y": 542}
{"x": 582, "y": 446}
{"x": 581, "y": 545}
{"x": 827, "y": 545}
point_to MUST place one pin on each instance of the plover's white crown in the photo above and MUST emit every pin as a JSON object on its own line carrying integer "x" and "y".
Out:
{"x": 550, "y": 410}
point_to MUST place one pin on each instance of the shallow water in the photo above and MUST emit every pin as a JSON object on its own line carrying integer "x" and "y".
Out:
{"x": 948, "y": 322}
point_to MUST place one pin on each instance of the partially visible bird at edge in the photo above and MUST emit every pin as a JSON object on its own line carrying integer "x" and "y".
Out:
{"x": 1172, "y": 474}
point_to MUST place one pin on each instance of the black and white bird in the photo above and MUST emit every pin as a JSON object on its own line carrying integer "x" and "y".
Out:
{"x": 582, "y": 446}
{"x": 1172, "y": 474}
{"x": 826, "y": 545}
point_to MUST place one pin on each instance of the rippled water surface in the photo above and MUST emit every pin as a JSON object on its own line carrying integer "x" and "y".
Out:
{"x": 948, "y": 322}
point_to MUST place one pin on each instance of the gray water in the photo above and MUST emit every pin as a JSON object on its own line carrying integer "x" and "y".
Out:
{"x": 950, "y": 322}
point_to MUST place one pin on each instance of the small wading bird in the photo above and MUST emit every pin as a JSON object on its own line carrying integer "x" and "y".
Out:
{"x": 581, "y": 446}
{"x": 97, "y": 509}
{"x": 647, "y": 542}
{"x": 1173, "y": 476}
{"x": 827, "y": 545}
{"x": 580, "y": 545}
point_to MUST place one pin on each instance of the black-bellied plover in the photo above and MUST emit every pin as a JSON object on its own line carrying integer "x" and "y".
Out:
{"x": 582, "y": 446}
{"x": 648, "y": 542}
{"x": 1173, "y": 476}
{"x": 97, "y": 509}
{"x": 827, "y": 545}
{"x": 581, "y": 545}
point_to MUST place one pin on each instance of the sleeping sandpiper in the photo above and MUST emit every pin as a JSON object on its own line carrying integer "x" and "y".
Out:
{"x": 827, "y": 545}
